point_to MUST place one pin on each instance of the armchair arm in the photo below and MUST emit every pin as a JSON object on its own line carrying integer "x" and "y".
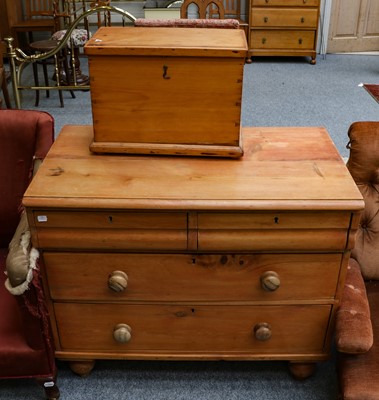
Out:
{"x": 22, "y": 282}
{"x": 354, "y": 333}
{"x": 21, "y": 259}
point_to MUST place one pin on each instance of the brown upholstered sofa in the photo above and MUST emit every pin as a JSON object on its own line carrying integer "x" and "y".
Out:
{"x": 357, "y": 327}
{"x": 26, "y": 346}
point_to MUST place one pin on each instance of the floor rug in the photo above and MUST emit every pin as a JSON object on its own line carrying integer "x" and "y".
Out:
{"x": 373, "y": 90}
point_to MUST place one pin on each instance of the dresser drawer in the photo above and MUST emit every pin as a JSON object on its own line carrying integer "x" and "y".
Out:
{"x": 110, "y": 219}
{"x": 286, "y": 3}
{"x": 272, "y": 232}
{"x": 111, "y": 230}
{"x": 164, "y": 329}
{"x": 282, "y": 39}
{"x": 284, "y": 17}
{"x": 175, "y": 277}
{"x": 274, "y": 220}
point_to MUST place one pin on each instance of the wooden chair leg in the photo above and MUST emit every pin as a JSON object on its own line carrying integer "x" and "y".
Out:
{"x": 50, "y": 388}
{"x": 67, "y": 72}
{"x": 61, "y": 98}
{"x": 36, "y": 83}
{"x": 45, "y": 76}
{"x": 4, "y": 88}
{"x": 59, "y": 65}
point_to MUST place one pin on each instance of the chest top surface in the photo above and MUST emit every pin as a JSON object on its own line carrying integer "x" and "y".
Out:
{"x": 281, "y": 169}
{"x": 162, "y": 41}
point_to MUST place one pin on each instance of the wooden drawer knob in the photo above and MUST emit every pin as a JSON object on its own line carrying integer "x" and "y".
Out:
{"x": 118, "y": 281}
{"x": 122, "y": 333}
{"x": 262, "y": 331}
{"x": 270, "y": 281}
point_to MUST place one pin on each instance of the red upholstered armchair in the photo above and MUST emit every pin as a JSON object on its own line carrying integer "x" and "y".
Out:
{"x": 357, "y": 328}
{"x": 26, "y": 347}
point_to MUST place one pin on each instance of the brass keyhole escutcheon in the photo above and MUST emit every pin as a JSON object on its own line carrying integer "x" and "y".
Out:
{"x": 265, "y": 19}
{"x": 165, "y": 75}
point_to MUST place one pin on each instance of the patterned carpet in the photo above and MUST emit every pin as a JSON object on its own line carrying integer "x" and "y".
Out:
{"x": 373, "y": 90}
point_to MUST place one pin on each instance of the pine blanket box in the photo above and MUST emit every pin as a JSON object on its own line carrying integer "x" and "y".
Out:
{"x": 159, "y": 90}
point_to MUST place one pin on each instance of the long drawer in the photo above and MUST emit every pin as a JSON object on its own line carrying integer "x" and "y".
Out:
{"x": 284, "y": 17}
{"x": 282, "y": 39}
{"x": 184, "y": 277}
{"x": 176, "y": 328}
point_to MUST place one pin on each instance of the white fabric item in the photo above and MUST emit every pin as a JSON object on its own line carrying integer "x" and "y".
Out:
{"x": 21, "y": 259}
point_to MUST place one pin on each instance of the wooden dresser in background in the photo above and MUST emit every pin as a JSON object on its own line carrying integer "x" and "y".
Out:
{"x": 189, "y": 258}
{"x": 283, "y": 28}
{"x": 10, "y": 12}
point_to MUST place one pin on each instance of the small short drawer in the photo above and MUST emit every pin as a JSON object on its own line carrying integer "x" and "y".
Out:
{"x": 111, "y": 230}
{"x": 284, "y": 17}
{"x": 274, "y": 220}
{"x": 287, "y": 3}
{"x": 273, "y": 231}
{"x": 273, "y": 240}
{"x": 110, "y": 219}
{"x": 169, "y": 329}
{"x": 182, "y": 277}
{"x": 282, "y": 39}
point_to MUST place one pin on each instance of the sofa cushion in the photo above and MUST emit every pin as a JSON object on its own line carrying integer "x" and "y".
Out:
{"x": 363, "y": 165}
{"x": 353, "y": 332}
{"x": 359, "y": 374}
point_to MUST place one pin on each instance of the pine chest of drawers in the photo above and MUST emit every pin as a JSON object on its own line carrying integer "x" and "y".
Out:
{"x": 167, "y": 90}
{"x": 150, "y": 257}
{"x": 283, "y": 28}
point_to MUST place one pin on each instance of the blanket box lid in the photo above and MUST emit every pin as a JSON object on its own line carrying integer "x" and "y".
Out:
{"x": 167, "y": 41}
